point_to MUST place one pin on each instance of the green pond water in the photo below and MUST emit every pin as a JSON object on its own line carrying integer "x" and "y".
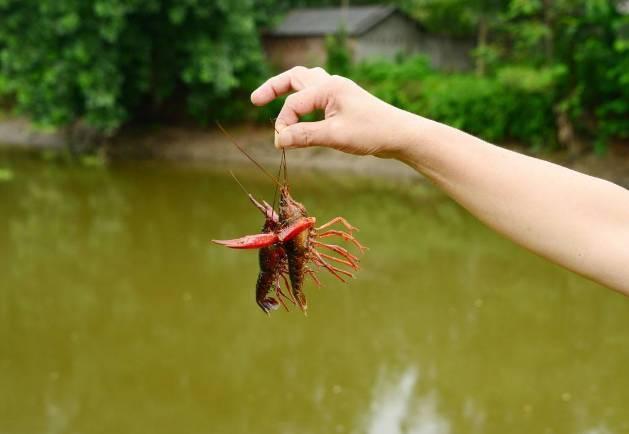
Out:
{"x": 118, "y": 316}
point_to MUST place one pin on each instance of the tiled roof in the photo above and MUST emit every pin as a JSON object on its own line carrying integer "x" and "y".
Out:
{"x": 324, "y": 21}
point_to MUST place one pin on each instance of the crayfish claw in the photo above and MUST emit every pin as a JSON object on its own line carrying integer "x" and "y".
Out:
{"x": 268, "y": 304}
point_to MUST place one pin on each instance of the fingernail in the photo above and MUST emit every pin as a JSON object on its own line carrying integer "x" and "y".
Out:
{"x": 283, "y": 139}
{"x": 276, "y": 140}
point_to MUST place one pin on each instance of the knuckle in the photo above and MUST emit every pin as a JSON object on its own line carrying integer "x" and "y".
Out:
{"x": 298, "y": 69}
{"x": 275, "y": 81}
{"x": 291, "y": 100}
{"x": 337, "y": 82}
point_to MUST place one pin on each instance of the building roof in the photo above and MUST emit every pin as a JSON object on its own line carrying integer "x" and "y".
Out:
{"x": 324, "y": 21}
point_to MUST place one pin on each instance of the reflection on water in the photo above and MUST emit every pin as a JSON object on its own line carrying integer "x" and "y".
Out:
{"x": 116, "y": 315}
{"x": 389, "y": 408}
{"x": 396, "y": 410}
{"x": 598, "y": 430}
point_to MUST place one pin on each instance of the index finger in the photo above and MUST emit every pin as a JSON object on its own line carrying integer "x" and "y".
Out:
{"x": 295, "y": 79}
{"x": 279, "y": 85}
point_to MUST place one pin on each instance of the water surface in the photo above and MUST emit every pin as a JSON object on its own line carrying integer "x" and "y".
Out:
{"x": 117, "y": 315}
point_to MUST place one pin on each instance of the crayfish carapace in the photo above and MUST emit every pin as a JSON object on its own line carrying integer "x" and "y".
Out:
{"x": 290, "y": 244}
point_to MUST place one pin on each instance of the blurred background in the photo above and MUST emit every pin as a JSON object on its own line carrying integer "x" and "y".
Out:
{"x": 117, "y": 315}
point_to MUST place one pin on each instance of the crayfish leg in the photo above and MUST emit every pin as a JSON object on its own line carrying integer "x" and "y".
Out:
{"x": 338, "y": 249}
{"x": 331, "y": 268}
{"x": 302, "y": 303}
{"x": 338, "y": 220}
{"x": 290, "y": 293}
{"x": 345, "y": 236}
{"x": 342, "y": 261}
{"x": 280, "y": 294}
{"x": 313, "y": 274}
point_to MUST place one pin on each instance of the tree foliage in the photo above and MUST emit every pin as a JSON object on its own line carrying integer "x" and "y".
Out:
{"x": 588, "y": 39}
{"x": 578, "y": 50}
{"x": 514, "y": 104}
{"x": 107, "y": 60}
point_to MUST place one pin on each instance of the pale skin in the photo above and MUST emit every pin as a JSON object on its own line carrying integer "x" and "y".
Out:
{"x": 575, "y": 220}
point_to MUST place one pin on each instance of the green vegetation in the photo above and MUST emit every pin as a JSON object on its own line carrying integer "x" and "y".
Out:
{"x": 540, "y": 66}
{"x": 515, "y": 104}
{"x": 339, "y": 59}
{"x": 112, "y": 60}
{"x": 537, "y": 62}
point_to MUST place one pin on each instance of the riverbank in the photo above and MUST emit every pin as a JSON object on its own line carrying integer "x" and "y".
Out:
{"x": 208, "y": 146}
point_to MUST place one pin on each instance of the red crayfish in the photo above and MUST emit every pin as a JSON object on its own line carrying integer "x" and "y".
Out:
{"x": 289, "y": 246}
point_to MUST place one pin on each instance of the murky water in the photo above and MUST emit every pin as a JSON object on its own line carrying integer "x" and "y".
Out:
{"x": 118, "y": 316}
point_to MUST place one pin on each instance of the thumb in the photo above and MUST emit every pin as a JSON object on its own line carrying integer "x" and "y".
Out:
{"x": 303, "y": 135}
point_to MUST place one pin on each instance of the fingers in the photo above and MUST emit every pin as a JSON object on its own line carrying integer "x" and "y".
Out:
{"x": 310, "y": 95}
{"x": 294, "y": 79}
{"x": 296, "y": 105}
{"x": 304, "y": 134}
{"x": 299, "y": 104}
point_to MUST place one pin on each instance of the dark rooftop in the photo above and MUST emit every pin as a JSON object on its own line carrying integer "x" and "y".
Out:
{"x": 324, "y": 21}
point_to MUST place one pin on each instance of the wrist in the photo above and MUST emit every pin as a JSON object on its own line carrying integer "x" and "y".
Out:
{"x": 408, "y": 135}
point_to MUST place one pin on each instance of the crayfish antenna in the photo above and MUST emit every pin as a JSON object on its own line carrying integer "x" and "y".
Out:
{"x": 241, "y": 149}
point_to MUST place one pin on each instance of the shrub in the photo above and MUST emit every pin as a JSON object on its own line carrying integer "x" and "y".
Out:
{"x": 339, "y": 59}
{"x": 516, "y": 104}
{"x": 398, "y": 83}
{"x": 533, "y": 93}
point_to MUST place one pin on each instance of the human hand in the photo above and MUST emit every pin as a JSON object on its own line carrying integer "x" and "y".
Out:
{"x": 355, "y": 121}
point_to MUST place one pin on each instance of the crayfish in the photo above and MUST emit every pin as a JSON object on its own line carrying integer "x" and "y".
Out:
{"x": 290, "y": 246}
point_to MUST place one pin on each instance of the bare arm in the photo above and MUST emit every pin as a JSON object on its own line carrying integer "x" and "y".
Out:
{"x": 572, "y": 219}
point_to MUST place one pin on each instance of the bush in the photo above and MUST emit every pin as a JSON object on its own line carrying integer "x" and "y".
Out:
{"x": 533, "y": 93}
{"x": 339, "y": 58}
{"x": 516, "y": 104}
{"x": 397, "y": 83}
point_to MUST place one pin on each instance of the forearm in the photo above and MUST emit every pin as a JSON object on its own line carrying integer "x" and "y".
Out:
{"x": 575, "y": 220}
{"x": 572, "y": 219}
